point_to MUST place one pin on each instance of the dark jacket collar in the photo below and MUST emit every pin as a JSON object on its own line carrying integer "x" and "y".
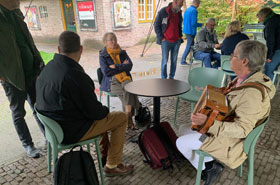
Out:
{"x": 103, "y": 52}
{"x": 67, "y": 60}
{"x": 268, "y": 18}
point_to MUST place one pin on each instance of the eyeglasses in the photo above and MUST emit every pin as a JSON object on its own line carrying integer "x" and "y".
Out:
{"x": 110, "y": 40}
{"x": 232, "y": 55}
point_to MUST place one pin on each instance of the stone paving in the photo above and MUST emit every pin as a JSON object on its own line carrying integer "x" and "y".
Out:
{"x": 24, "y": 170}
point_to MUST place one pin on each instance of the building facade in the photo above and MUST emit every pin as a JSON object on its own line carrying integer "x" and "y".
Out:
{"x": 130, "y": 20}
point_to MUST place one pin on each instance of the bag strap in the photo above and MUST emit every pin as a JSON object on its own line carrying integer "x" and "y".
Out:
{"x": 252, "y": 85}
{"x": 255, "y": 85}
{"x": 143, "y": 149}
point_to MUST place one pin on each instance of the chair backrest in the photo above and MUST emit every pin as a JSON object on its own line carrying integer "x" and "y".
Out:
{"x": 54, "y": 131}
{"x": 253, "y": 136}
{"x": 200, "y": 77}
{"x": 99, "y": 75}
{"x": 46, "y": 56}
{"x": 225, "y": 63}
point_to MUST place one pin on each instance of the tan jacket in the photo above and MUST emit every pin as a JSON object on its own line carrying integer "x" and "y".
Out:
{"x": 226, "y": 144}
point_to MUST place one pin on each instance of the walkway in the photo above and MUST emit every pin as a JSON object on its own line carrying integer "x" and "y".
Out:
{"x": 16, "y": 168}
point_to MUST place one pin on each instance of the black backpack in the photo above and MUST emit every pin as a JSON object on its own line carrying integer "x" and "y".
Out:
{"x": 143, "y": 116}
{"x": 75, "y": 168}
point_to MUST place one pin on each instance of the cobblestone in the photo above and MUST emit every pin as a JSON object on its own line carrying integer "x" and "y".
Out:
{"x": 25, "y": 171}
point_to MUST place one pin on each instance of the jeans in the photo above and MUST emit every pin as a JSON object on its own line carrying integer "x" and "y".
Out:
{"x": 190, "y": 42}
{"x": 207, "y": 58}
{"x": 167, "y": 47}
{"x": 272, "y": 66}
{"x": 17, "y": 99}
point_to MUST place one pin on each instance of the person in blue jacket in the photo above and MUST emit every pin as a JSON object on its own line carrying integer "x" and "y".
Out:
{"x": 232, "y": 37}
{"x": 190, "y": 26}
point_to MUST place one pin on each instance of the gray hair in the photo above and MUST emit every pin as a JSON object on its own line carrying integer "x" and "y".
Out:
{"x": 254, "y": 51}
{"x": 211, "y": 20}
{"x": 264, "y": 12}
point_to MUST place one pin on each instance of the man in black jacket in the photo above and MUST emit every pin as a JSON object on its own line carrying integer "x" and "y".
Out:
{"x": 272, "y": 37}
{"x": 65, "y": 93}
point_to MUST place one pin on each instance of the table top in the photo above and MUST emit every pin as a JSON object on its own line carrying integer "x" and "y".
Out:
{"x": 157, "y": 87}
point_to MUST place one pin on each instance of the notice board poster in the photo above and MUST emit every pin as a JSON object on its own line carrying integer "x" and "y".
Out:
{"x": 121, "y": 14}
{"x": 87, "y": 13}
{"x": 32, "y": 17}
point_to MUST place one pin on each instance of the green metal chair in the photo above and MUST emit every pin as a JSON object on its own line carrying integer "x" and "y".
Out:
{"x": 275, "y": 76}
{"x": 46, "y": 56}
{"x": 198, "y": 78}
{"x": 248, "y": 148}
{"x": 54, "y": 136}
{"x": 225, "y": 65}
{"x": 193, "y": 60}
{"x": 108, "y": 94}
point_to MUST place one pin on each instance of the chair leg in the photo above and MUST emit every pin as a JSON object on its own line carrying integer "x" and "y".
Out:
{"x": 176, "y": 111}
{"x": 99, "y": 161}
{"x": 199, "y": 170}
{"x": 251, "y": 168}
{"x": 192, "y": 106}
{"x": 88, "y": 148}
{"x": 54, "y": 156}
{"x": 108, "y": 101}
{"x": 49, "y": 157}
{"x": 240, "y": 169}
{"x": 99, "y": 94}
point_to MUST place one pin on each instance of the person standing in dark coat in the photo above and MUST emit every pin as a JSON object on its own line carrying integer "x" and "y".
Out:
{"x": 168, "y": 28}
{"x": 19, "y": 67}
{"x": 271, "y": 22}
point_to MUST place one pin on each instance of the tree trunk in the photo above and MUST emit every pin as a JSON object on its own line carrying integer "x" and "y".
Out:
{"x": 233, "y": 14}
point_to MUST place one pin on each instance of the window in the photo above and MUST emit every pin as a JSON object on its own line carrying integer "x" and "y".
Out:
{"x": 43, "y": 11}
{"x": 146, "y": 10}
{"x": 87, "y": 14}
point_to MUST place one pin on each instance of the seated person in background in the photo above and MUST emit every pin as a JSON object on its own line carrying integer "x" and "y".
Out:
{"x": 116, "y": 66}
{"x": 232, "y": 37}
{"x": 65, "y": 93}
{"x": 206, "y": 42}
{"x": 247, "y": 106}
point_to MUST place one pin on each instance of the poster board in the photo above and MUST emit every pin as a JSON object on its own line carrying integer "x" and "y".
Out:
{"x": 121, "y": 14}
{"x": 32, "y": 17}
{"x": 87, "y": 14}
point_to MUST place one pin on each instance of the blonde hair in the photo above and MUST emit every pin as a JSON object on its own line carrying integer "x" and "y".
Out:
{"x": 106, "y": 35}
{"x": 232, "y": 28}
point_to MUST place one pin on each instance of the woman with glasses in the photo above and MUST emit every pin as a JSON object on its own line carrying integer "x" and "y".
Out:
{"x": 116, "y": 66}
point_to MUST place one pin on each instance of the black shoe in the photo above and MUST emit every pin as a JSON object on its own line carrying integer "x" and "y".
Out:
{"x": 31, "y": 151}
{"x": 213, "y": 173}
{"x": 184, "y": 63}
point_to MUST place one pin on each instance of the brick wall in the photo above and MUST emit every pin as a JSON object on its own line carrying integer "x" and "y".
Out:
{"x": 52, "y": 26}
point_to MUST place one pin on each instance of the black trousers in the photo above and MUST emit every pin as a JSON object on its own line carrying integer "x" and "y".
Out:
{"x": 17, "y": 100}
